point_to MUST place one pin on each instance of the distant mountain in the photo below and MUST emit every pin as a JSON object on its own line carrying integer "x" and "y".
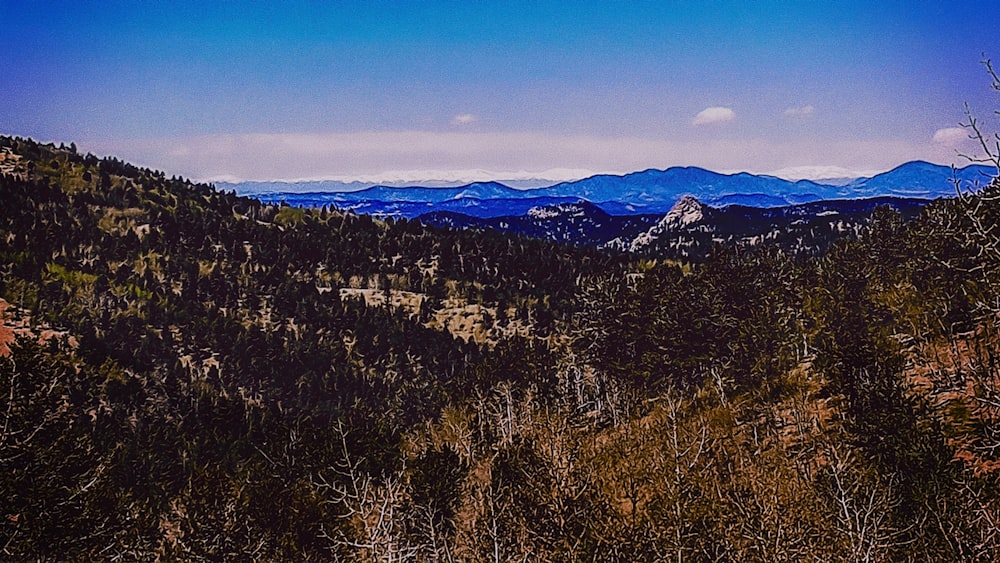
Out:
{"x": 691, "y": 228}
{"x": 919, "y": 179}
{"x": 473, "y": 207}
{"x": 656, "y": 191}
{"x": 753, "y": 200}
{"x": 478, "y": 190}
{"x": 647, "y": 192}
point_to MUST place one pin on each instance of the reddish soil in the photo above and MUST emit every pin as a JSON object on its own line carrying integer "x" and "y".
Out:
{"x": 957, "y": 377}
{"x": 6, "y": 331}
{"x": 14, "y": 324}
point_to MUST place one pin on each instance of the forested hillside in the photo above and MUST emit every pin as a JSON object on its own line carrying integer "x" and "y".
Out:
{"x": 800, "y": 231}
{"x": 191, "y": 375}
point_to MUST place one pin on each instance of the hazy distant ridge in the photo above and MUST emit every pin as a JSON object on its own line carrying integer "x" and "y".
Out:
{"x": 648, "y": 191}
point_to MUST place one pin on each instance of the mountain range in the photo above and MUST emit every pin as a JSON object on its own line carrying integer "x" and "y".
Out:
{"x": 646, "y": 192}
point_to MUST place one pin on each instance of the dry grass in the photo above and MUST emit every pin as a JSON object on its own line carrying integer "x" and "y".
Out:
{"x": 8, "y": 161}
{"x": 468, "y": 321}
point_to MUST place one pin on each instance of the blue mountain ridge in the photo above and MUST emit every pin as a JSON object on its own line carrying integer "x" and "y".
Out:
{"x": 473, "y": 207}
{"x": 646, "y": 192}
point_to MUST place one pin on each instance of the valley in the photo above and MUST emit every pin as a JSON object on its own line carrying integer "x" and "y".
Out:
{"x": 194, "y": 375}
{"x": 625, "y": 212}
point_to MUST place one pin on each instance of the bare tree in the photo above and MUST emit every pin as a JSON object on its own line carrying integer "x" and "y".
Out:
{"x": 373, "y": 510}
{"x": 864, "y": 502}
{"x": 990, "y": 144}
{"x": 981, "y": 208}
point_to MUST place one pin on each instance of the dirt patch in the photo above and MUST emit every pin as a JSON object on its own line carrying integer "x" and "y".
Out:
{"x": 8, "y": 161}
{"x": 6, "y": 330}
{"x": 958, "y": 379}
{"x": 14, "y": 323}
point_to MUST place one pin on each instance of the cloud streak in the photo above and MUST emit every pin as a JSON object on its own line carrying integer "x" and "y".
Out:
{"x": 802, "y": 111}
{"x": 827, "y": 172}
{"x": 464, "y": 119}
{"x": 714, "y": 114}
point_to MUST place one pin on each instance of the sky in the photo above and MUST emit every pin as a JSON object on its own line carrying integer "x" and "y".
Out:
{"x": 544, "y": 91}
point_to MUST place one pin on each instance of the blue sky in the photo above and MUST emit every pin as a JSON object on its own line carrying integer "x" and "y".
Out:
{"x": 417, "y": 90}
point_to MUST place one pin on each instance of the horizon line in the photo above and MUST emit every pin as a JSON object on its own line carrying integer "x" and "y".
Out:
{"x": 522, "y": 179}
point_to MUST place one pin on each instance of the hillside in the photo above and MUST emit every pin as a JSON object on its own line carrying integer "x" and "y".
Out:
{"x": 195, "y": 376}
{"x": 691, "y": 231}
{"x": 578, "y": 223}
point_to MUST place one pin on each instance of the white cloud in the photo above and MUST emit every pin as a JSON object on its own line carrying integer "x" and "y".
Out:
{"x": 714, "y": 114}
{"x": 803, "y": 111}
{"x": 951, "y": 136}
{"x": 463, "y": 119}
